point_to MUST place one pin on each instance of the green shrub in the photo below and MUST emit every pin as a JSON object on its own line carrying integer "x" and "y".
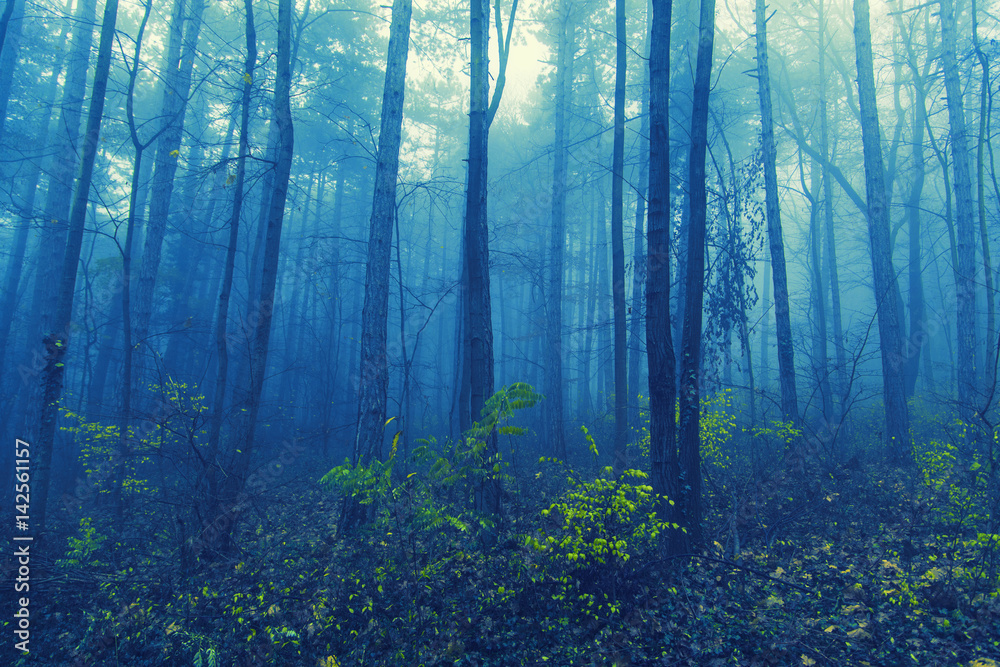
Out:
{"x": 595, "y": 537}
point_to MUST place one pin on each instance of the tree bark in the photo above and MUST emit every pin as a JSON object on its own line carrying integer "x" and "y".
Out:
{"x": 553, "y": 327}
{"x": 819, "y": 351}
{"x": 884, "y": 277}
{"x": 982, "y": 139}
{"x": 52, "y": 240}
{"x": 125, "y": 418}
{"x": 637, "y": 310}
{"x": 690, "y": 405}
{"x": 965, "y": 270}
{"x": 618, "y": 244}
{"x": 177, "y": 88}
{"x": 665, "y": 466}
{"x": 222, "y": 313}
{"x": 57, "y": 343}
{"x": 480, "y": 328}
{"x": 11, "y": 24}
{"x": 243, "y": 445}
{"x": 374, "y": 373}
{"x": 783, "y": 326}
{"x": 830, "y": 257}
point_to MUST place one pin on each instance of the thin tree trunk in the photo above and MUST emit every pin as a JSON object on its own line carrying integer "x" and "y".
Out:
{"x": 605, "y": 325}
{"x": 830, "y": 236}
{"x": 965, "y": 287}
{"x": 554, "y": 320}
{"x": 222, "y": 313}
{"x": 786, "y": 358}
{"x": 480, "y": 329}
{"x": 981, "y": 195}
{"x": 57, "y": 343}
{"x": 918, "y": 333}
{"x": 175, "y": 96}
{"x": 636, "y": 337}
{"x": 244, "y": 442}
{"x": 618, "y": 245}
{"x": 819, "y": 351}
{"x": 374, "y": 373}
{"x": 690, "y": 439}
{"x": 665, "y": 466}
{"x": 125, "y": 418}
{"x": 884, "y": 277}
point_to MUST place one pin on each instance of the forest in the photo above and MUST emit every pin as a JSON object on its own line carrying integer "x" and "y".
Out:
{"x": 569, "y": 332}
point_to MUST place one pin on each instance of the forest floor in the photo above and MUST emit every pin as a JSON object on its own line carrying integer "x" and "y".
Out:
{"x": 862, "y": 564}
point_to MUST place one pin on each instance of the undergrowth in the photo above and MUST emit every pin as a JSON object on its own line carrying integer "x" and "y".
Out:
{"x": 807, "y": 560}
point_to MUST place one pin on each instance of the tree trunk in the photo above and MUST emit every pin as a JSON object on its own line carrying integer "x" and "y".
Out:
{"x": 52, "y": 240}
{"x": 618, "y": 244}
{"x": 819, "y": 351}
{"x": 690, "y": 440}
{"x": 665, "y": 467}
{"x": 177, "y": 88}
{"x": 884, "y": 277}
{"x": 374, "y": 373}
{"x": 232, "y": 492}
{"x": 480, "y": 327}
{"x": 783, "y": 326}
{"x": 553, "y": 330}
{"x": 965, "y": 272}
{"x": 11, "y": 23}
{"x": 636, "y": 337}
{"x": 983, "y": 138}
{"x": 830, "y": 257}
{"x": 57, "y": 343}
{"x": 222, "y": 313}
{"x": 917, "y": 332}
{"x": 122, "y": 456}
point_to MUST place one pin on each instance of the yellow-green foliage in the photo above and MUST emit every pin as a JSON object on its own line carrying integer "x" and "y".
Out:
{"x": 84, "y": 551}
{"x": 599, "y": 520}
{"x": 591, "y": 536}
{"x": 175, "y": 419}
{"x": 780, "y": 434}
{"x": 717, "y": 427}
{"x": 956, "y": 477}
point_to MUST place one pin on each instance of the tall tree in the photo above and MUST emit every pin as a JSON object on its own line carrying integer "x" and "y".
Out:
{"x": 665, "y": 467}
{"x": 58, "y": 199}
{"x": 225, "y": 291}
{"x": 243, "y": 443}
{"x": 57, "y": 343}
{"x": 374, "y": 373}
{"x": 554, "y": 319}
{"x": 917, "y": 334}
{"x": 139, "y": 147}
{"x": 783, "y": 326}
{"x": 477, "y": 254}
{"x": 8, "y": 11}
{"x": 183, "y": 42}
{"x": 690, "y": 405}
{"x": 884, "y": 278}
{"x": 965, "y": 270}
{"x": 618, "y": 242}
{"x": 635, "y": 340}
{"x": 830, "y": 256}
{"x": 983, "y": 138}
